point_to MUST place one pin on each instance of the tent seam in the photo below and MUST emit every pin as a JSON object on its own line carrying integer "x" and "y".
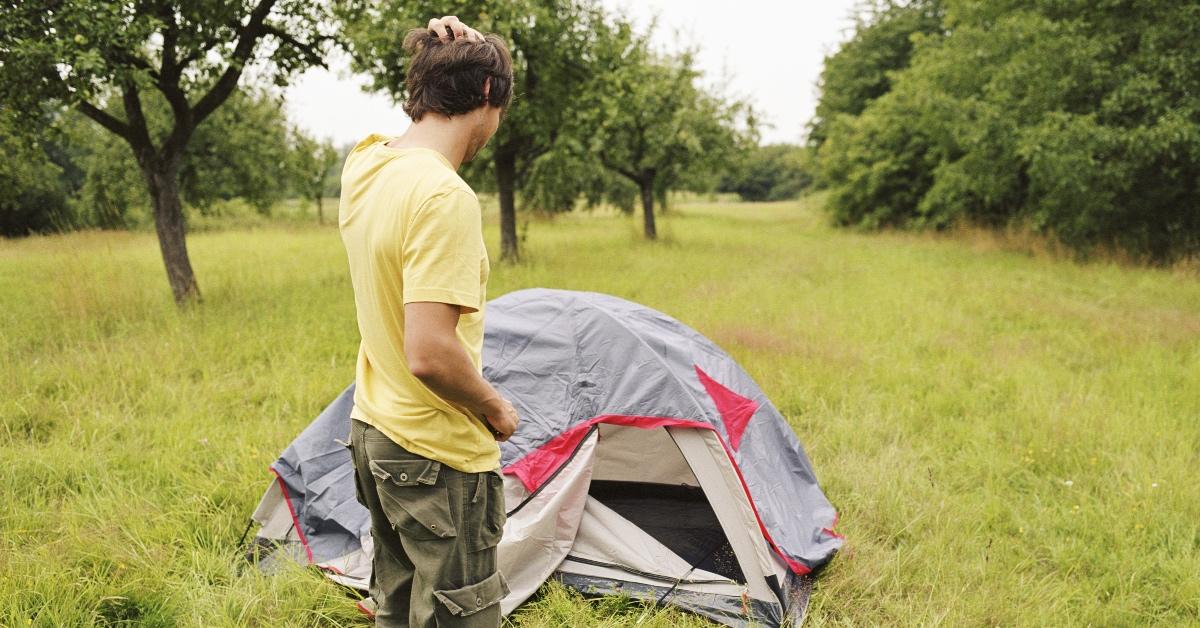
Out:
{"x": 666, "y": 367}
{"x": 292, "y": 511}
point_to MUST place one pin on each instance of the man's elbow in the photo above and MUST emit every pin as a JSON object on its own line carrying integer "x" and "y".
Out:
{"x": 422, "y": 365}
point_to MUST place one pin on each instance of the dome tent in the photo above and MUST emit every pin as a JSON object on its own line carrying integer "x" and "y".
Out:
{"x": 647, "y": 463}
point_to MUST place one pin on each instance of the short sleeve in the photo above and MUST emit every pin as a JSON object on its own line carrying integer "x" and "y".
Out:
{"x": 441, "y": 251}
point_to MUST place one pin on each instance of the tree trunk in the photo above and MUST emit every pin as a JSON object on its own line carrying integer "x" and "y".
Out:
{"x": 320, "y": 209}
{"x": 647, "y": 186}
{"x": 163, "y": 181}
{"x": 506, "y": 168}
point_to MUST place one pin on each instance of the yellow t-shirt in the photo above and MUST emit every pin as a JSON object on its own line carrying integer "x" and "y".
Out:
{"x": 413, "y": 232}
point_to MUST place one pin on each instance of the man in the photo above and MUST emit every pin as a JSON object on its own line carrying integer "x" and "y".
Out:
{"x": 425, "y": 423}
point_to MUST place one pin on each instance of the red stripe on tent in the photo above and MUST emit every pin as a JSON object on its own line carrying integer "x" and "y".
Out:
{"x": 799, "y": 568}
{"x": 735, "y": 410}
{"x": 538, "y": 465}
{"x": 292, "y": 511}
{"x": 365, "y": 610}
{"x": 535, "y": 468}
{"x": 830, "y": 531}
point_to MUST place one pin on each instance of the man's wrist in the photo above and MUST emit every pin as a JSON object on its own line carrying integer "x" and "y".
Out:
{"x": 490, "y": 406}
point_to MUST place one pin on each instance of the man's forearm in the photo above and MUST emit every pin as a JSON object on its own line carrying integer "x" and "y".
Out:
{"x": 437, "y": 358}
{"x": 453, "y": 377}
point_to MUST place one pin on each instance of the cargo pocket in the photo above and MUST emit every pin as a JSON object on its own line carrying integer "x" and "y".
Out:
{"x": 489, "y": 505}
{"x": 415, "y": 505}
{"x": 471, "y": 599}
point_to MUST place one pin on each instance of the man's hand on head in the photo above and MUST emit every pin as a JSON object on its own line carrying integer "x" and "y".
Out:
{"x": 450, "y": 28}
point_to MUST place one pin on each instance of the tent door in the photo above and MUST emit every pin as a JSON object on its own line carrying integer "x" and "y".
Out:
{"x": 720, "y": 483}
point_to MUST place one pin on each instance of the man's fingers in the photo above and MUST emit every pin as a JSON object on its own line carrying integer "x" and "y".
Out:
{"x": 446, "y": 28}
{"x": 501, "y": 435}
{"x": 449, "y": 28}
{"x": 456, "y": 27}
{"x": 435, "y": 25}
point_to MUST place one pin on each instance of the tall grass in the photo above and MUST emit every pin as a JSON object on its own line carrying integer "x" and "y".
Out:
{"x": 1009, "y": 439}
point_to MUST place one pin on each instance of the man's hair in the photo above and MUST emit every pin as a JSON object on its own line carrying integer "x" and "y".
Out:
{"x": 447, "y": 77}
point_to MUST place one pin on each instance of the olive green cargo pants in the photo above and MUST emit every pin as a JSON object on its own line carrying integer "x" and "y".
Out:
{"x": 435, "y": 531}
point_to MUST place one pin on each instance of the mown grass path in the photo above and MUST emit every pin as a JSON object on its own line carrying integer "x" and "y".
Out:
{"x": 1009, "y": 440}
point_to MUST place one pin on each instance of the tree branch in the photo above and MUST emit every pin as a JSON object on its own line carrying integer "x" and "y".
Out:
{"x": 132, "y": 58}
{"x": 197, "y": 53}
{"x": 527, "y": 159}
{"x": 247, "y": 40}
{"x": 168, "y": 83}
{"x": 309, "y": 50}
{"x": 139, "y": 134}
{"x": 181, "y": 132}
{"x": 629, "y": 174}
{"x": 170, "y": 67}
{"x": 105, "y": 120}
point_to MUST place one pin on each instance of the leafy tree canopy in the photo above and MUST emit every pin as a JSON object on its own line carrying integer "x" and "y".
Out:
{"x": 860, "y": 71}
{"x": 651, "y": 122}
{"x": 1082, "y": 123}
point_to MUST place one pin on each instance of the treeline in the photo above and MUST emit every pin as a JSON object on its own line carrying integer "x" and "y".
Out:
{"x": 1079, "y": 120}
{"x": 77, "y": 175}
{"x": 116, "y": 104}
{"x": 599, "y": 114}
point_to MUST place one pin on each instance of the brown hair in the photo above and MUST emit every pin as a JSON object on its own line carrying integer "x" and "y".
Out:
{"x": 447, "y": 77}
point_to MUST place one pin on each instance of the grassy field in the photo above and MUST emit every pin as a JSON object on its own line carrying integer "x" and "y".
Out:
{"x": 1010, "y": 440}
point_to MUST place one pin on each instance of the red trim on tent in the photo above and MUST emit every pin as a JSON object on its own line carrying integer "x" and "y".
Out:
{"x": 292, "y": 511}
{"x": 830, "y": 531}
{"x": 538, "y": 465}
{"x": 735, "y": 410}
{"x": 794, "y": 564}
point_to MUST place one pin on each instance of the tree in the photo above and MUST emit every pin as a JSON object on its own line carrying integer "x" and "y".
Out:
{"x": 552, "y": 45}
{"x": 311, "y": 164}
{"x": 770, "y": 173}
{"x": 106, "y": 59}
{"x": 1084, "y": 125}
{"x": 654, "y": 126}
{"x": 236, "y": 153}
{"x": 242, "y": 151}
{"x": 861, "y": 69}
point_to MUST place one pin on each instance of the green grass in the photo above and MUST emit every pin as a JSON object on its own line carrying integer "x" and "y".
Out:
{"x": 1009, "y": 439}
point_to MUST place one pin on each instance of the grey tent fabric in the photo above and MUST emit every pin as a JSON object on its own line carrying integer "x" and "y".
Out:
{"x": 569, "y": 361}
{"x": 318, "y": 482}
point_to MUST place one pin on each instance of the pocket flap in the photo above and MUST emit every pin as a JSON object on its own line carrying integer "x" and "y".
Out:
{"x": 474, "y": 598}
{"x": 406, "y": 472}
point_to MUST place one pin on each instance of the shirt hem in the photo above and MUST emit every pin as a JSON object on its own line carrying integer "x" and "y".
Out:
{"x": 437, "y": 295}
{"x": 488, "y": 464}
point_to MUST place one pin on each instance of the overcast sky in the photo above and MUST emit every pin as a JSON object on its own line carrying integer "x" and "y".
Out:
{"x": 767, "y": 51}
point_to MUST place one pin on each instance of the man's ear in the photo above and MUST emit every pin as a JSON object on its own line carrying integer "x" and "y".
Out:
{"x": 487, "y": 88}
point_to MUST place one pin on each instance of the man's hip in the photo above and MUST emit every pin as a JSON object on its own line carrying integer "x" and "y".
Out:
{"x": 435, "y": 531}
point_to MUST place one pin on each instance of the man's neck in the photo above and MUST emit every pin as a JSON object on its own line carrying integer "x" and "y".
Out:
{"x": 449, "y": 136}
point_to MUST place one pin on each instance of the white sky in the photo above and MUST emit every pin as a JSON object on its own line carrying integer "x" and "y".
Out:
{"x": 769, "y": 51}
